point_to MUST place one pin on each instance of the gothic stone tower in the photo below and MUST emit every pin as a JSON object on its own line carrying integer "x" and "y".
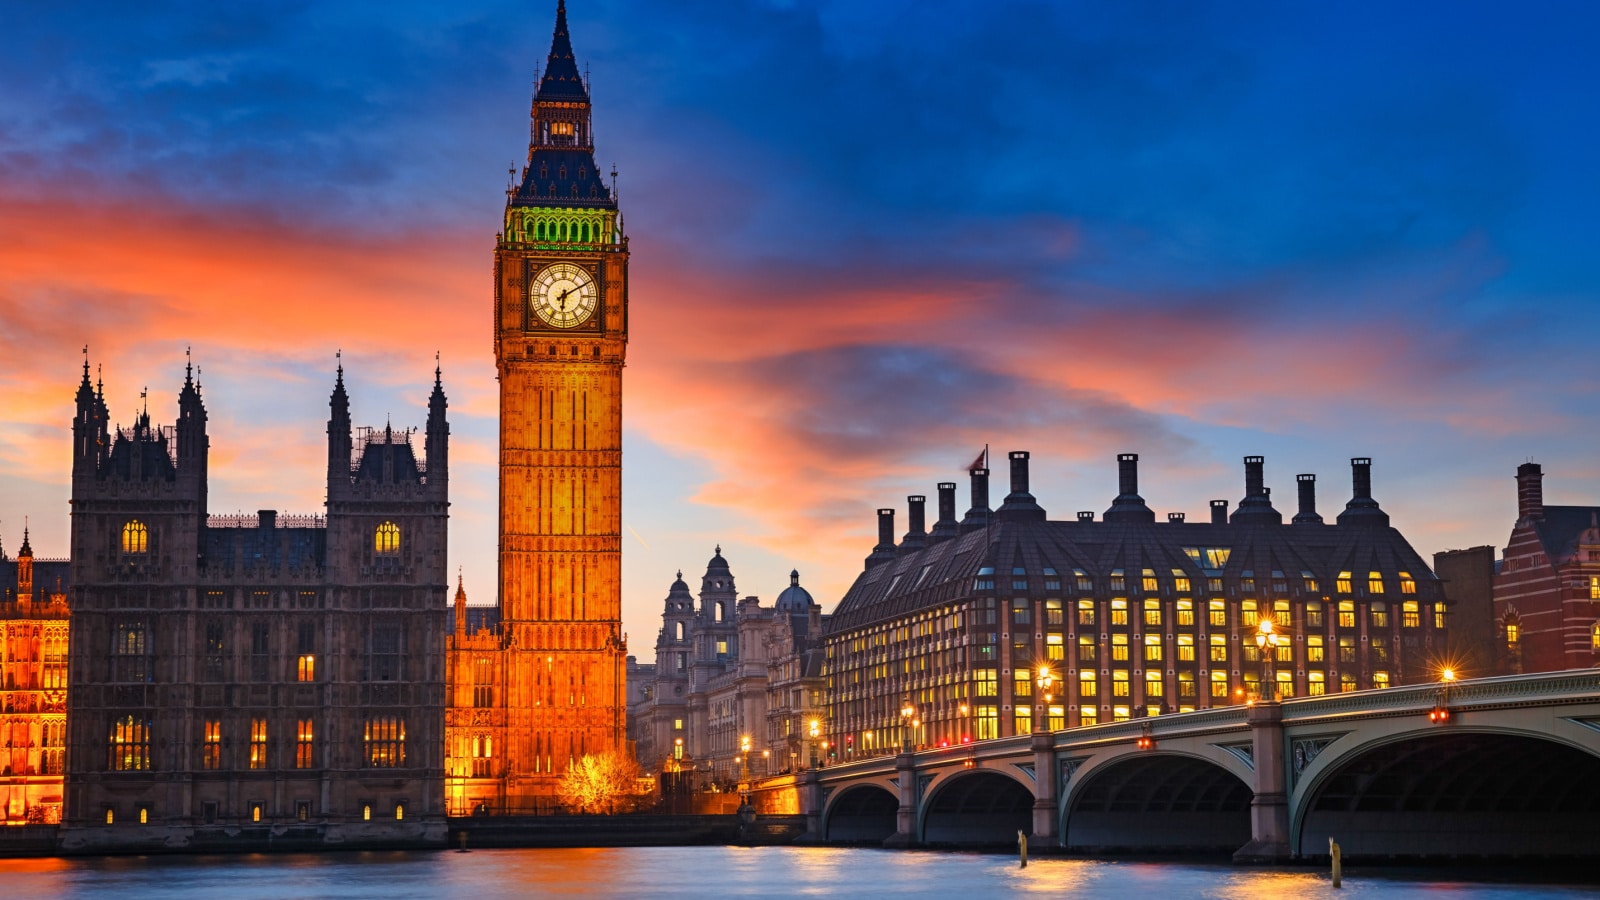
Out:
{"x": 561, "y": 326}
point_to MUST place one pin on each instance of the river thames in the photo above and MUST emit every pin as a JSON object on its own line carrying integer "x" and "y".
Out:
{"x": 718, "y": 871}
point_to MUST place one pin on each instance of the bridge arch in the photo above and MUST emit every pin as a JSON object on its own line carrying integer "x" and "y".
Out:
{"x": 861, "y": 814}
{"x": 1157, "y": 802}
{"x": 1452, "y": 791}
{"x": 976, "y": 808}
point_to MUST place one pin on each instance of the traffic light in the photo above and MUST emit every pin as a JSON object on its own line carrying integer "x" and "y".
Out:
{"x": 1439, "y": 715}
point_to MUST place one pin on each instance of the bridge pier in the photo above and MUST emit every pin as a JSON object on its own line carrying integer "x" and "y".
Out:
{"x": 1044, "y": 790}
{"x": 1269, "y": 810}
{"x": 811, "y": 806}
{"x": 905, "y": 818}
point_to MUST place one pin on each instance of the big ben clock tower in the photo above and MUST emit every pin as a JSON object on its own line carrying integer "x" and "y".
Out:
{"x": 561, "y": 331}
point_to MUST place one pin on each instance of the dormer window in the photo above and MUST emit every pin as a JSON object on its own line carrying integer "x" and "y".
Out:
{"x": 544, "y": 170}
{"x": 583, "y": 173}
{"x": 561, "y": 173}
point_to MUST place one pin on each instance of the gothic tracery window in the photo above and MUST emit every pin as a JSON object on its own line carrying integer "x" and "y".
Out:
{"x": 135, "y": 537}
{"x": 387, "y": 539}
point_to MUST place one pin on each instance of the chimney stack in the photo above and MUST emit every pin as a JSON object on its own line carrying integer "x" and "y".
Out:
{"x": 1020, "y": 506}
{"x": 1086, "y": 516}
{"x": 1219, "y": 512}
{"x": 1530, "y": 492}
{"x": 1362, "y": 509}
{"x": 917, "y": 537}
{"x": 1175, "y": 518}
{"x": 979, "y": 515}
{"x": 885, "y": 549}
{"x": 1256, "y": 507}
{"x": 1129, "y": 506}
{"x": 1308, "y": 501}
{"x": 947, "y": 526}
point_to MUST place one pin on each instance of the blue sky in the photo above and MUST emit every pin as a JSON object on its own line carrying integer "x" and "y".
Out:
{"x": 868, "y": 239}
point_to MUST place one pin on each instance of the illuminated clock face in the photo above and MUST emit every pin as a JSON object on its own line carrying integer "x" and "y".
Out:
{"x": 563, "y": 295}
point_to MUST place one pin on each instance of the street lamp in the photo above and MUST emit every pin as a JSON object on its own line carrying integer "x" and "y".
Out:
{"x": 744, "y": 757}
{"x": 1267, "y": 639}
{"x": 1045, "y": 678}
{"x": 906, "y": 712}
{"x": 815, "y": 731}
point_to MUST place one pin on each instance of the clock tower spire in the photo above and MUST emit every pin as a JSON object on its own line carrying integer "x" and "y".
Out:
{"x": 560, "y": 334}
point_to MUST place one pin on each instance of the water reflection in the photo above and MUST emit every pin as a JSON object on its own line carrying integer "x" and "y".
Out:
{"x": 706, "y": 871}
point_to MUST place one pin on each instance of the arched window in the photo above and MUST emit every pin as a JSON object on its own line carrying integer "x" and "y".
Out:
{"x": 1513, "y": 631}
{"x": 680, "y": 630}
{"x": 1594, "y": 638}
{"x": 387, "y": 539}
{"x": 719, "y": 612}
{"x": 135, "y": 537}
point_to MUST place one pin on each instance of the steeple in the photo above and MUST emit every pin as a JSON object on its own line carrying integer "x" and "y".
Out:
{"x": 561, "y": 171}
{"x": 192, "y": 441}
{"x": 561, "y": 80}
{"x": 437, "y": 443}
{"x": 338, "y": 428}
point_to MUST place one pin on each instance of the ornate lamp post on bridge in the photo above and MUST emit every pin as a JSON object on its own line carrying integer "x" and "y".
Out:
{"x": 907, "y": 711}
{"x": 1267, "y": 640}
{"x": 815, "y": 732}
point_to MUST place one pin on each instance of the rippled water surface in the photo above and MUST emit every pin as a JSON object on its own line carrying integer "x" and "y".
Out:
{"x": 719, "y": 872}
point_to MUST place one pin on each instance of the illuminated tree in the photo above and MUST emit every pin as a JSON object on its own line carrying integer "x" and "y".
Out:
{"x": 600, "y": 782}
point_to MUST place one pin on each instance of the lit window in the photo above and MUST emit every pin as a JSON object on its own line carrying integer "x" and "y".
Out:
{"x": 1119, "y": 683}
{"x": 1347, "y": 650}
{"x": 255, "y": 812}
{"x": 135, "y": 537}
{"x": 1314, "y": 648}
{"x": 1342, "y": 583}
{"x": 1186, "y": 648}
{"x": 1594, "y": 637}
{"x": 1219, "y": 647}
{"x": 307, "y": 667}
{"x": 1186, "y": 686}
{"x": 1148, "y": 581}
{"x": 1022, "y": 683}
{"x": 1152, "y": 612}
{"x": 1088, "y": 686}
{"x": 1513, "y": 633}
{"x": 211, "y": 749}
{"x": 1310, "y": 581}
{"x": 1218, "y": 612}
{"x": 1185, "y": 613}
{"x": 1118, "y": 581}
{"x": 988, "y": 683}
{"x": 399, "y": 811}
{"x": 1347, "y": 614}
{"x": 1089, "y": 715}
{"x": 111, "y": 816}
{"x": 385, "y": 738}
{"x": 1119, "y": 612}
{"x": 1316, "y": 684}
{"x": 1180, "y": 581}
{"x": 1594, "y": 587}
{"x": 1119, "y": 647}
{"x": 1285, "y": 683}
{"x": 302, "y": 746}
{"x": 1219, "y": 685}
{"x": 1121, "y": 713}
{"x": 1347, "y": 682}
{"x": 1152, "y": 648}
{"x": 1410, "y": 614}
{"x": 1380, "y": 615}
{"x": 1375, "y": 582}
{"x": 1314, "y": 614}
{"x": 1085, "y": 612}
{"x": 722, "y": 646}
{"x": 258, "y": 743}
{"x": 1054, "y": 647}
{"x": 144, "y": 815}
{"x": 988, "y": 722}
{"x": 130, "y": 744}
{"x": 1408, "y": 585}
{"x": 1380, "y": 679}
{"x": 387, "y": 539}
{"x": 1249, "y": 617}
{"x": 1153, "y": 686}
{"x": 1053, "y": 614}
{"x": 366, "y": 812}
{"x": 1086, "y": 648}
{"x": 1024, "y": 719}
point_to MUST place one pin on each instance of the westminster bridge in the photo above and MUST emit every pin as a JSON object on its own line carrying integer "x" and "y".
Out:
{"x": 1506, "y": 766}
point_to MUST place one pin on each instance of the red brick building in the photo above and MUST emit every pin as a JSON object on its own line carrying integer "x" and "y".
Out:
{"x": 1547, "y": 592}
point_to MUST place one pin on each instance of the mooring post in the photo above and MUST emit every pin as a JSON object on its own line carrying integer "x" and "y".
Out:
{"x": 1022, "y": 848}
{"x": 1333, "y": 851}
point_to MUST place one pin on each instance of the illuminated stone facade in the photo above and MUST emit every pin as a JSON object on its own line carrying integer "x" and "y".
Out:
{"x": 1547, "y": 589}
{"x": 728, "y": 670}
{"x": 33, "y": 687}
{"x": 560, "y": 336}
{"x": 243, "y": 680}
{"x": 1129, "y": 617}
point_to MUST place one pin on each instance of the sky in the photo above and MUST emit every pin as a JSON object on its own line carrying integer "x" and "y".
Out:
{"x": 868, "y": 239}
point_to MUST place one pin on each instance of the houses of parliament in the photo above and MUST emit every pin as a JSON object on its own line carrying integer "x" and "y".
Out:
{"x": 194, "y": 681}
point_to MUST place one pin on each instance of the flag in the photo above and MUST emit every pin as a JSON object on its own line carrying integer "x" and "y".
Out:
{"x": 982, "y": 462}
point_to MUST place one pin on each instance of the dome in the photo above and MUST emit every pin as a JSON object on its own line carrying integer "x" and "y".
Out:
{"x": 717, "y": 563}
{"x": 795, "y": 598}
{"x": 679, "y": 586}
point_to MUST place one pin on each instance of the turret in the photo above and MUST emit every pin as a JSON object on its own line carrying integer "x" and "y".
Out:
{"x": 339, "y": 436}
{"x": 437, "y": 442}
{"x": 461, "y": 607}
{"x": 193, "y": 443}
